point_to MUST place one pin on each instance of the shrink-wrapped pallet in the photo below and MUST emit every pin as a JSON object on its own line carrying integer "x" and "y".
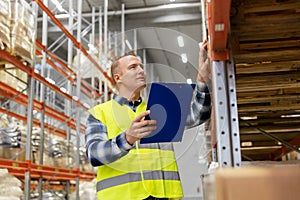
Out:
{"x": 22, "y": 30}
{"x": 10, "y": 186}
{"x": 5, "y": 25}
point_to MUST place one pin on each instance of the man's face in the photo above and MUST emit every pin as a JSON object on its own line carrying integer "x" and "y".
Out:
{"x": 132, "y": 75}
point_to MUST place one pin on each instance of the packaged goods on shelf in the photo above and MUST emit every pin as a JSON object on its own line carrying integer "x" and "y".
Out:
{"x": 58, "y": 152}
{"x": 22, "y": 30}
{"x": 10, "y": 140}
{"x": 13, "y": 77}
{"x": 5, "y": 25}
{"x": 10, "y": 186}
{"x": 10, "y": 137}
{"x": 86, "y": 191}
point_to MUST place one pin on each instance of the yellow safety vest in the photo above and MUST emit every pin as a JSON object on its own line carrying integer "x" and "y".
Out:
{"x": 143, "y": 171}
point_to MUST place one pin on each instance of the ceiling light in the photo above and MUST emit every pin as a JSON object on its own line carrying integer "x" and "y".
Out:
{"x": 189, "y": 81}
{"x": 184, "y": 58}
{"x": 180, "y": 41}
{"x": 172, "y": 0}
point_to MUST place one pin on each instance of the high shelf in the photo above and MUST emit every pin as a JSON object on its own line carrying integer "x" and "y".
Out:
{"x": 44, "y": 89}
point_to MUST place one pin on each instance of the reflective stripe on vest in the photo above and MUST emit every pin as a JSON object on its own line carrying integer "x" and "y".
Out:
{"x": 133, "y": 177}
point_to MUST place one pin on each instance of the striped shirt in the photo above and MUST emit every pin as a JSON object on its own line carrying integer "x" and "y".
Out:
{"x": 100, "y": 150}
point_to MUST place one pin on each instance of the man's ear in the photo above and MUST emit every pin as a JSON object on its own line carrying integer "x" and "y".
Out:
{"x": 116, "y": 77}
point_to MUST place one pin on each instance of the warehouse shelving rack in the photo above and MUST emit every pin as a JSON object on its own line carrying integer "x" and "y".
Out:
{"x": 225, "y": 123}
{"x": 26, "y": 170}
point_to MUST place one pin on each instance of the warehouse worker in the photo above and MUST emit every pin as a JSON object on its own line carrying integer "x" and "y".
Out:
{"x": 127, "y": 169}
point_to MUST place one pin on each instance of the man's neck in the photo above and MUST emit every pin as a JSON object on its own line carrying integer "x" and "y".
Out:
{"x": 130, "y": 96}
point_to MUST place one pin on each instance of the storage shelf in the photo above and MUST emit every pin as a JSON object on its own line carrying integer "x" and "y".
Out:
{"x": 52, "y": 129}
{"x": 15, "y": 95}
{"x": 30, "y": 71}
{"x": 92, "y": 92}
{"x": 71, "y": 37}
{"x": 18, "y": 169}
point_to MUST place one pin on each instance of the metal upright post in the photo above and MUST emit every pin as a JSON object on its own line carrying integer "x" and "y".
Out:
{"x": 92, "y": 42}
{"x": 100, "y": 32}
{"x": 42, "y": 97}
{"x": 233, "y": 117}
{"x": 105, "y": 48}
{"x": 226, "y": 120}
{"x": 78, "y": 83}
{"x": 123, "y": 29}
{"x": 69, "y": 89}
{"x": 100, "y": 51}
{"x": 145, "y": 69}
{"x": 30, "y": 115}
{"x": 116, "y": 44}
{"x": 135, "y": 41}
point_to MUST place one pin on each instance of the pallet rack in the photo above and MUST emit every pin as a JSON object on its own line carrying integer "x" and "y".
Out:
{"x": 26, "y": 170}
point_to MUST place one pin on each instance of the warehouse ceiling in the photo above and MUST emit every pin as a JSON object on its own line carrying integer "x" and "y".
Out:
{"x": 265, "y": 39}
{"x": 152, "y": 26}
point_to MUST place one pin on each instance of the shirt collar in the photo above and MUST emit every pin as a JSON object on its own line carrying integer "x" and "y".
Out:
{"x": 122, "y": 100}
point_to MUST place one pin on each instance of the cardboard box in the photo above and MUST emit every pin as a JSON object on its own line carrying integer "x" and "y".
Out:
{"x": 258, "y": 183}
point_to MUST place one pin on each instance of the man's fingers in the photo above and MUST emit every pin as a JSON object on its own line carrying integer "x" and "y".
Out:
{"x": 148, "y": 128}
{"x": 147, "y": 123}
{"x": 141, "y": 116}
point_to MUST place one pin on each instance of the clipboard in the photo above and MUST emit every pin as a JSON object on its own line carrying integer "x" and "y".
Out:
{"x": 169, "y": 104}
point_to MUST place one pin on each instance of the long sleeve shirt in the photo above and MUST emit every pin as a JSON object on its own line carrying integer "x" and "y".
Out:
{"x": 101, "y": 150}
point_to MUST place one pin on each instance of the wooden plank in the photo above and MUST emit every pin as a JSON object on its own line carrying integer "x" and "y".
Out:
{"x": 264, "y": 36}
{"x": 276, "y": 98}
{"x": 291, "y": 121}
{"x": 268, "y": 77}
{"x": 262, "y": 87}
{"x": 270, "y": 6}
{"x": 270, "y": 44}
{"x": 260, "y": 137}
{"x": 268, "y": 67}
{"x": 268, "y": 108}
{"x": 265, "y": 56}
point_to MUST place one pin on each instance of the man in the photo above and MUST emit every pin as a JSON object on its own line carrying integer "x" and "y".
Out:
{"x": 127, "y": 169}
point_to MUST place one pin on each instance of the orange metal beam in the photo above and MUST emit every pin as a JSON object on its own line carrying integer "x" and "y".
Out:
{"x": 54, "y": 57}
{"x": 30, "y": 71}
{"x": 72, "y": 38}
{"x": 18, "y": 169}
{"x": 12, "y": 93}
{"x": 218, "y": 27}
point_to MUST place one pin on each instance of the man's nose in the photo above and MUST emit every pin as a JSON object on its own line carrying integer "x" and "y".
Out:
{"x": 141, "y": 69}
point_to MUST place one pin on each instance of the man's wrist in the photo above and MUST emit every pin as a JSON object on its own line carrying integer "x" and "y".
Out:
{"x": 130, "y": 139}
{"x": 123, "y": 142}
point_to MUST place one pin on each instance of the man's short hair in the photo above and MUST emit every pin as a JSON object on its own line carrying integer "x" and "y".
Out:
{"x": 115, "y": 65}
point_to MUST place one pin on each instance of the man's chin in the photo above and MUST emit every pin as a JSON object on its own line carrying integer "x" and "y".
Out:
{"x": 142, "y": 86}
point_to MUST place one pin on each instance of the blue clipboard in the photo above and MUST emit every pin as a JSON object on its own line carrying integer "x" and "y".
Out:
{"x": 169, "y": 104}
